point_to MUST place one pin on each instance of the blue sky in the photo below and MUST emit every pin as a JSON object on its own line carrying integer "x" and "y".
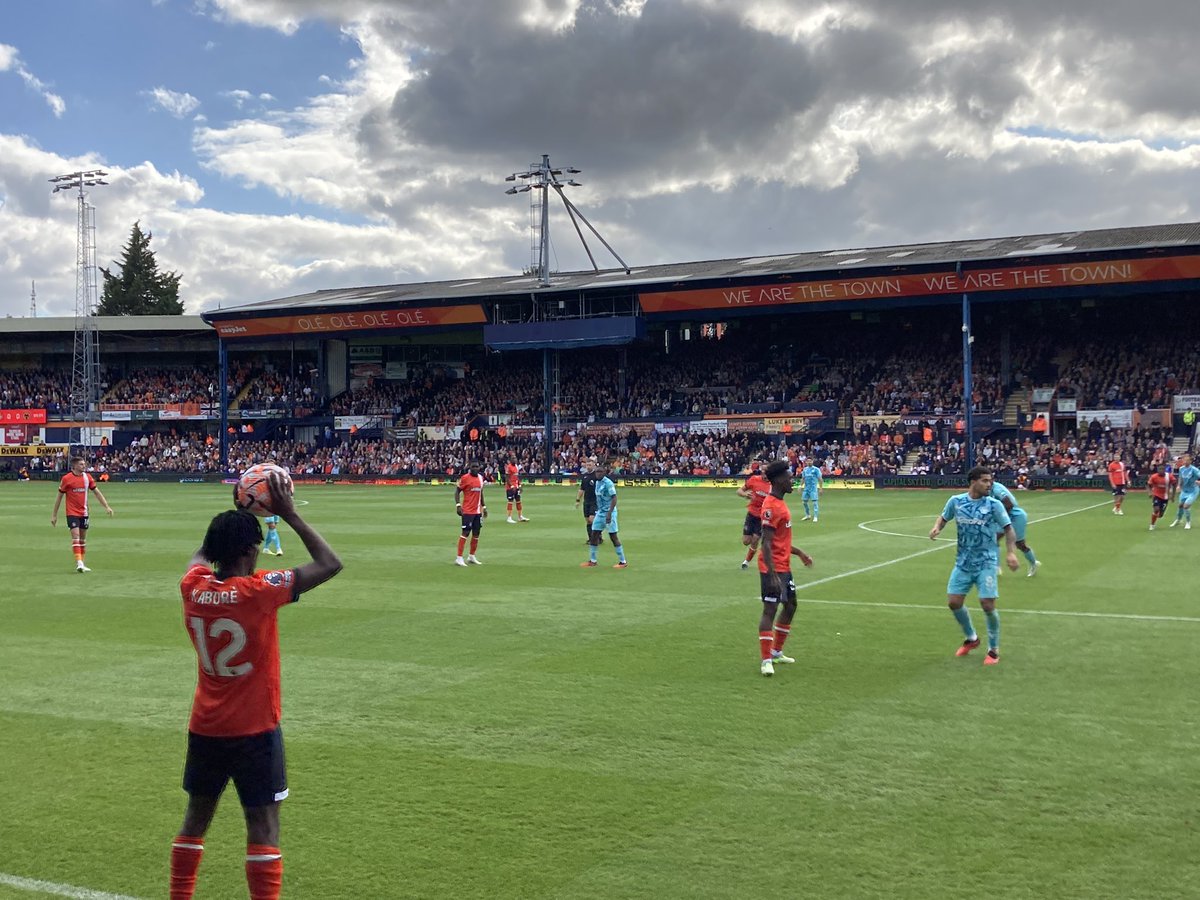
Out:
{"x": 103, "y": 57}
{"x": 275, "y": 147}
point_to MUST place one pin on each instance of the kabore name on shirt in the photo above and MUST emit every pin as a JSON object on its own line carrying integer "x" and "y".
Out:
{"x": 215, "y": 598}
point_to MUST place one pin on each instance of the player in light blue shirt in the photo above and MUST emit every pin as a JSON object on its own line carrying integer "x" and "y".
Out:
{"x": 605, "y": 519}
{"x": 977, "y": 516}
{"x": 1189, "y": 487}
{"x": 1020, "y": 522}
{"x": 271, "y": 544}
{"x": 814, "y": 483}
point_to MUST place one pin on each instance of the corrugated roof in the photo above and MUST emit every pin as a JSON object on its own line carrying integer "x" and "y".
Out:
{"x": 800, "y": 263}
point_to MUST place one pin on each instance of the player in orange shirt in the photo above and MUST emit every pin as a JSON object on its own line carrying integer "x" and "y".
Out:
{"x": 1118, "y": 480}
{"x": 775, "y": 568}
{"x": 1161, "y": 486}
{"x": 229, "y": 611}
{"x": 75, "y": 486}
{"x": 468, "y": 504}
{"x": 512, "y": 488}
{"x": 755, "y": 490}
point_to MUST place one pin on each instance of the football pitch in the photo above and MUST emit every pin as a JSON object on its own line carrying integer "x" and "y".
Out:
{"x": 531, "y": 729}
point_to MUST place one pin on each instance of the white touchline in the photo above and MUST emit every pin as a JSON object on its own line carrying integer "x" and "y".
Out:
{"x": 57, "y": 890}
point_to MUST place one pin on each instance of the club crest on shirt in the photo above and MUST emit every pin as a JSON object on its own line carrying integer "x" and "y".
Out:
{"x": 276, "y": 579}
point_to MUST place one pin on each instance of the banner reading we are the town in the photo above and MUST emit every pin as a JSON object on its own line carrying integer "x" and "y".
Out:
{"x": 1015, "y": 278}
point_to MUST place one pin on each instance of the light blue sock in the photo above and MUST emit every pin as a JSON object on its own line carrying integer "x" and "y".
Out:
{"x": 1029, "y": 556}
{"x": 964, "y": 620}
{"x": 620, "y": 548}
{"x": 816, "y": 509}
{"x": 592, "y": 552}
{"x": 807, "y": 511}
{"x": 993, "y": 629}
{"x": 1188, "y": 511}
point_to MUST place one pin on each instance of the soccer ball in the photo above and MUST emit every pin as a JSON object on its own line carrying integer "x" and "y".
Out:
{"x": 253, "y": 491}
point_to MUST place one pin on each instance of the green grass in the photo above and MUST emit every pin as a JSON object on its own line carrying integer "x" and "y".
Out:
{"x": 530, "y": 729}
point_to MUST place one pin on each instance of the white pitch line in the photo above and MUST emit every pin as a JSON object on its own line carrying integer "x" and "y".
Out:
{"x": 58, "y": 890}
{"x": 946, "y": 542}
{"x": 1007, "y": 610}
{"x": 923, "y": 537}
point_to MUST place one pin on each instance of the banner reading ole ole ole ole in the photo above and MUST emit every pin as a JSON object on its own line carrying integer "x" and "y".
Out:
{"x": 366, "y": 320}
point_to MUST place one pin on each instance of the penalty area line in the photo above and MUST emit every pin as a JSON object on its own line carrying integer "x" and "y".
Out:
{"x": 58, "y": 890}
{"x": 1007, "y": 610}
{"x": 866, "y": 526}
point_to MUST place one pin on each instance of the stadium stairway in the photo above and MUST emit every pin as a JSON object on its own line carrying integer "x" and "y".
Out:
{"x": 910, "y": 459}
{"x": 1018, "y": 398}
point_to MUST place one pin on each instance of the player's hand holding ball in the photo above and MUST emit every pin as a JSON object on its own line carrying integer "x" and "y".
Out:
{"x": 283, "y": 503}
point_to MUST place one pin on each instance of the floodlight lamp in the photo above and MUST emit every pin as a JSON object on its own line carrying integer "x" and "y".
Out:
{"x": 574, "y": 183}
{"x": 573, "y": 171}
{"x": 512, "y": 177}
{"x": 511, "y": 190}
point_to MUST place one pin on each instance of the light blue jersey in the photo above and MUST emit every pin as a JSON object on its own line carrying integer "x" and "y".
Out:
{"x": 1000, "y": 492}
{"x": 977, "y": 523}
{"x": 1189, "y": 479}
{"x": 605, "y": 519}
{"x": 1020, "y": 521}
{"x": 605, "y": 492}
{"x": 812, "y": 480}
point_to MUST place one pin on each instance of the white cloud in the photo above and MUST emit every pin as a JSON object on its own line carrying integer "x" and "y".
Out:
{"x": 177, "y": 104}
{"x": 10, "y": 60}
{"x": 237, "y": 97}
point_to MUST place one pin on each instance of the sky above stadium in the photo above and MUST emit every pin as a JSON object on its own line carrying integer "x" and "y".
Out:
{"x": 275, "y": 147}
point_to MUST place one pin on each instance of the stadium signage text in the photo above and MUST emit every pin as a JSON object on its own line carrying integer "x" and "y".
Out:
{"x": 400, "y": 317}
{"x": 32, "y": 449}
{"x": 1016, "y": 278}
{"x": 22, "y": 417}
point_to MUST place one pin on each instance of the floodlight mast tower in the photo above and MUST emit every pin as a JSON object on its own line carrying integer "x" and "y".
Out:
{"x": 543, "y": 177}
{"x": 85, "y": 361}
{"x": 540, "y": 179}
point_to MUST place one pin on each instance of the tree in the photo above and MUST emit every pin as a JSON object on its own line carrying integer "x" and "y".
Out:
{"x": 140, "y": 289}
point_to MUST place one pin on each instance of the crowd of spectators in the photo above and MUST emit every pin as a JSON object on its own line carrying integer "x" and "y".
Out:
{"x": 1073, "y": 455}
{"x": 160, "y": 386}
{"x": 276, "y": 389}
{"x": 35, "y": 389}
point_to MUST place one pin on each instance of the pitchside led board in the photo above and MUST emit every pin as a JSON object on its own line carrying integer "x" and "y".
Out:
{"x": 22, "y": 417}
{"x": 924, "y": 284}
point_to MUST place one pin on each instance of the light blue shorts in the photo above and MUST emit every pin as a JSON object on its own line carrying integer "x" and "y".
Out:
{"x": 610, "y": 527}
{"x": 1188, "y": 499}
{"x": 984, "y": 582}
{"x": 808, "y": 495}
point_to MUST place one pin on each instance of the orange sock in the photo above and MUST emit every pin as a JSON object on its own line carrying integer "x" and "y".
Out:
{"x": 750, "y": 554}
{"x": 185, "y": 863}
{"x": 781, "y": 635}
{"x": 764, "y": 643}
{"x": 264, "y": 871}
{"x": 77, "y": 549}
{"x": 474, "y": 545}
{"x": 510, "y": 510}
{"x": 462, "y": 542}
